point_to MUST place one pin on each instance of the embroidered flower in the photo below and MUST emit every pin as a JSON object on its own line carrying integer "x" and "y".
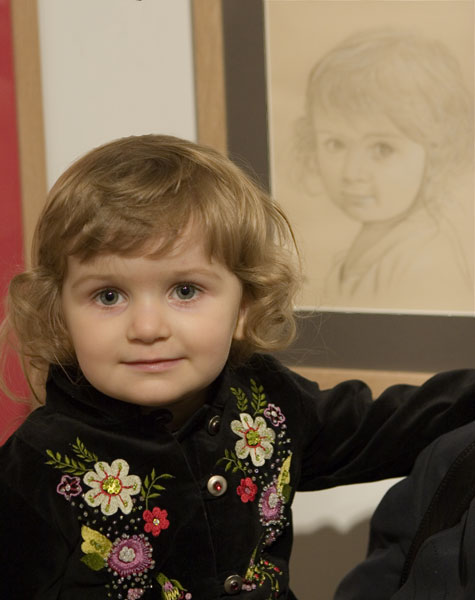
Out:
{"x": 247, "y": 490}
{"x": 271, "y": 505}
{"x": 260, "y": 571}
{"x": 155, "y": 520}
{"x": 69, "y": 486}
{"x": 135, "y": 593}
{"x": 274, "y": 414}
{"x": 112, "y": 487}
{"x": 130, "y": 556}
{"x": 257, "y": 439}
{"x": 172, "y": 589}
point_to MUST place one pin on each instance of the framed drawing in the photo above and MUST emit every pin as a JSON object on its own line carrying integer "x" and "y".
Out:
{"x": 357, "y": 115}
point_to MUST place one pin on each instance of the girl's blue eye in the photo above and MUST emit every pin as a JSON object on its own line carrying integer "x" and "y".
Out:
{"x": 185, "y": 291}
{"x": 108, "y": 297}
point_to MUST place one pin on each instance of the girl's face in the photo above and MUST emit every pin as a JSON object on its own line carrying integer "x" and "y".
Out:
{"x": 369, "y": 168}
{"x": 153, "y": 331}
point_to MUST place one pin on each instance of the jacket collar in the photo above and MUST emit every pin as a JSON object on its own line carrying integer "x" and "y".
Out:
{"x": 69, "y": 392}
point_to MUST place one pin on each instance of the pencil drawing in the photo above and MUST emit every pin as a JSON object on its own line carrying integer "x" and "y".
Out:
{"x": 388, "y": 127}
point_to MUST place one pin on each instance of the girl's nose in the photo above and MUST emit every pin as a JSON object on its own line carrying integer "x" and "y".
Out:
{"x": 355, "y": 167}
{"x": 148, "y": 323}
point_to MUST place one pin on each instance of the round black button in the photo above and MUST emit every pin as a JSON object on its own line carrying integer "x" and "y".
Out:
{"x": 214, "y": 425}
{"x": 233, "y": 584}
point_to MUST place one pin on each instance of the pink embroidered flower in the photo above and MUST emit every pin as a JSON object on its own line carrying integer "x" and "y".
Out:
{"x": 172, "y": 589}
{"x": 130, "y": 555}
{"x": 271, "y": 505}
{"x": 247, "y": 490}
{"x": 274, "y": 414}
{"x": 155, "y": 520}
{"x": 135, "y": 593}
{"x": 69, "y": 486}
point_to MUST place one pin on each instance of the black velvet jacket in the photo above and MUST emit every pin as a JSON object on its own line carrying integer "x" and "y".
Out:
{"x": 100, "y": 500}
{"x": 444, "y": 566}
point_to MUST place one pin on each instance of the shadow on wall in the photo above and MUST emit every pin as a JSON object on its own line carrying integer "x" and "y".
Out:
{"x": 321, "y": 560}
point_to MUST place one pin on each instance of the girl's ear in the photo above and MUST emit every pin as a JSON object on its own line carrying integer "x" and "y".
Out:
{"x": 241, "y": 321}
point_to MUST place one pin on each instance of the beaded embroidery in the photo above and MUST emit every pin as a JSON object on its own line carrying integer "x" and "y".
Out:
{"x": 263, "y": 442}
{"x": 115, "y": 514}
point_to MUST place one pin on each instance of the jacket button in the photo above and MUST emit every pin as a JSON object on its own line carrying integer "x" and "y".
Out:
{"x": 214, "y": 425}
{"x": 217, "y": 485}
{"x": 233, "y": 584}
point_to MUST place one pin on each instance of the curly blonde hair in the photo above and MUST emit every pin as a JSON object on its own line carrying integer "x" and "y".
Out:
{"x": 119, "y": 197}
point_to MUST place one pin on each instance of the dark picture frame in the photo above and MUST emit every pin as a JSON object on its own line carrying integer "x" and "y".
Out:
{"x": 329, "y": 339}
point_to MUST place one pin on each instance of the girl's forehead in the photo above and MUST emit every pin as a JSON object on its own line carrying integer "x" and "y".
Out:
{"x": 185, "y": 245}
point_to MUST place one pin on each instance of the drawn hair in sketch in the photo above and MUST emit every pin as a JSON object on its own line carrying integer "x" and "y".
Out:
{"x": 414, "y": 81}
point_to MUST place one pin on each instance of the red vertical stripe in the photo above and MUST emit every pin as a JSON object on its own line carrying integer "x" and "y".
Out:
{"x": 11, "y": 237}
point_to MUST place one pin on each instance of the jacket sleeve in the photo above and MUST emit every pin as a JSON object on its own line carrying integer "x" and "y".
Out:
{"x": 349, "y": 438}
{"x": 397, "y": 519}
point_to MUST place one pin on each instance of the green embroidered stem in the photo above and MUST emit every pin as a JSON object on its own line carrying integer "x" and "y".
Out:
{"x": 151, "y": 489}
{"x": 232, "y": 461}
{"x": 258, "y": 402}
{"x": 82, "y": 452}
{"x": 241, "y": 399}
{"x": 71, "y": 466}
{"x": 66, "y": 464}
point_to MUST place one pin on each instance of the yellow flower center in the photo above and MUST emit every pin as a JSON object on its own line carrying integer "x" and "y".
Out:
{"x": 112, "y": 486}
{"x": 253, "y": 438}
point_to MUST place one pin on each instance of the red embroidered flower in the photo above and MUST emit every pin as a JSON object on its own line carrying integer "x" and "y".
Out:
{"x": 155, "y": 520}
{"x": 247, "y": 490}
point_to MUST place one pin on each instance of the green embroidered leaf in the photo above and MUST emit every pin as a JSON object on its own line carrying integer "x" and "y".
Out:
{"x": 286, "y": 492}
{"x": 241, "y": 398}
{"x": 149, "y": 484}
{"x": 93, "y": 561}
{"x": 259, "y": 401}
{"x": 228, "y": 466}
{"x": 66, "y": 464}
{"x": 81, "y": 451}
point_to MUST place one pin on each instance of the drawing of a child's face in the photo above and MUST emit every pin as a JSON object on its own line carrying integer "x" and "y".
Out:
{"x": 369, "y": 168}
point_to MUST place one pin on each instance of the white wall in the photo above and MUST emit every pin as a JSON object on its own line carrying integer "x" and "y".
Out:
{"x": 112, "y": 68}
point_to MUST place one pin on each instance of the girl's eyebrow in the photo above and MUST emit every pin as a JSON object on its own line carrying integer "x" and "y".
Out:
{"x": 92, "y": 277}
{"x": 178, "y": 274}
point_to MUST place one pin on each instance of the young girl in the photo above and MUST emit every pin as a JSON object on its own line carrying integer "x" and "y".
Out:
{"x": 389, "y": 128}
{"x": 168, "y": 450}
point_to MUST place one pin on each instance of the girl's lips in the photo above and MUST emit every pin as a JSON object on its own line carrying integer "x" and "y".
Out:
{"x": 153, "y": 365}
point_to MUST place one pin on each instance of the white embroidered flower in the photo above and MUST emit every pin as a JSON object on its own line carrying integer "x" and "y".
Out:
{"x": 112, "y": 487}
{"x": 257, "y": 439}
